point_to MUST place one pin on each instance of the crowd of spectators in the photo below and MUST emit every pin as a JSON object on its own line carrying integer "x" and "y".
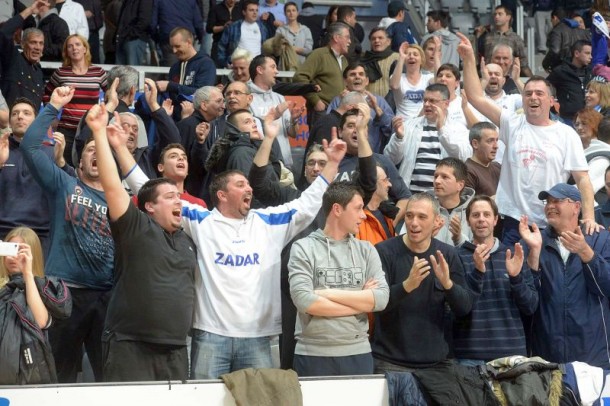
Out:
{"x": 443, "y": 211}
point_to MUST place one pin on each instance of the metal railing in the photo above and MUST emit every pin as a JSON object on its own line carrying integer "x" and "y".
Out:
{"x": 145, "y": 71}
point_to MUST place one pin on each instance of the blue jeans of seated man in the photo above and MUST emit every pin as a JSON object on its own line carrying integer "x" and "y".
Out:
{"x": 213, "y": 355}
{"x": 132, "y": 53}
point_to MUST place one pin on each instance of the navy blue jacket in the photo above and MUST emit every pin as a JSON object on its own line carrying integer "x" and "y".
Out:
{"x": 230, "y": 39}
{"x": 22, "y": 201}
{"x": 167, "y": 15}
{"x": 399, "y": 32}
{"x": 199, "y": 71}
{"x": 573, "y": 319}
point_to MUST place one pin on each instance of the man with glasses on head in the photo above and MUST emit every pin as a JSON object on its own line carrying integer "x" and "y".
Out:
{"x": 571, "y": 271}
{"x": 415, "y": 144}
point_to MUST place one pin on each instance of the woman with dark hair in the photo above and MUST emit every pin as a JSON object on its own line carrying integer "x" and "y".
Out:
{"x": 296, "y": 33}
{"x": 331, "y": 17}
{"x": 87, "y": 80}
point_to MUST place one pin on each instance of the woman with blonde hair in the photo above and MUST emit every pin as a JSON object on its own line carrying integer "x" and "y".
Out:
{"x": 28, "y": 301}
{"x": 597, "y": 96}
{"x": 87, "y": 80}
{"x": 408, "y": 82}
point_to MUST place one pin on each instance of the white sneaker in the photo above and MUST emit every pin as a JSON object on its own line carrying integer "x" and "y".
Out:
{"x": 600, "y": 24}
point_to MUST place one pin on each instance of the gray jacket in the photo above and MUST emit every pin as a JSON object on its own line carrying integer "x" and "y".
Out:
{"x": 444, "y": 234}
{"x": 318, "y": 262}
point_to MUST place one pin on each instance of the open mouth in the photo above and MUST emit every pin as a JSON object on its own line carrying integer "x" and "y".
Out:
{"x": 94, "y": 163}
{"x": 181, "y": 166}
{"x": 177, "y": 212}
{"x": 534, "y": 106}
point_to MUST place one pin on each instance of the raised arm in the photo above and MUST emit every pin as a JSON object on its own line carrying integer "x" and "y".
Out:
{"x": 533, "y": 240}
{"x": 4, "y": 149}
{"x": 32, "y": 296}
{"x": 394, "y": 150}
{"x": 583, "y": 183}
{"x": 515, "y": 74}
{"x": 116, "y": 196}
{"x": 267, "y": 189}
{"x": 43, "y": 169}
{"x": 472, "y": 84}
{"x": 167, "y": 132}
{"x": 335, "y": 151}
{"x": 400, "y": 63}
{"x": 367, "y": 168}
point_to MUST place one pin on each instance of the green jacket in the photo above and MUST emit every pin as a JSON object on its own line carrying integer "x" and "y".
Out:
{"x": 321, "y": 68}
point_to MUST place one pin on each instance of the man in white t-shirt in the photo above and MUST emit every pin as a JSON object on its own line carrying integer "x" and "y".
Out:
{"x": 539, "y": 152}
{"x": 248, "y": 33}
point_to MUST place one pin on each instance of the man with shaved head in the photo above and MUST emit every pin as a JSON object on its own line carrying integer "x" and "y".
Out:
{"x": 493, "y": 82}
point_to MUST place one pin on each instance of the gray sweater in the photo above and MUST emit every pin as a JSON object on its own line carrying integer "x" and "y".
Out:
{"x": 318, "y": 262}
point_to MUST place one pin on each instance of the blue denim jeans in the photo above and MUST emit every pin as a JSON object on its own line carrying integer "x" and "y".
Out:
{"x": 470, "y": 362}
{"x": 132, "y": 53}
{"x": 213, "y": 355}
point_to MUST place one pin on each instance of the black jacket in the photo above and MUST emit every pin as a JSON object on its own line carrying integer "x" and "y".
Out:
{"x": 20, "y": 78}
{"x": 570, "y": 88}
{"x": 560, "y": 40}
{"x": 134, "y": 21}
{"x": 235, "y": 150}
{"x": 194, "y": 151}
{"x": 55, "y": 31}
{"x": 25, "y": 352}
{"x": 167, "y": 133}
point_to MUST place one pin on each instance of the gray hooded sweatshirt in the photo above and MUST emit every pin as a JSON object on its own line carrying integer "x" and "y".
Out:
{"x": 319, "y": 262}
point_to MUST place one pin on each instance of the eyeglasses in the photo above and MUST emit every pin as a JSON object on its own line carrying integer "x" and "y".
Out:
{"x": 127, "y": 127}
{"x": 312, "y": 163}
{"x": 234, "y": 92}
{"x": 552, "y": 200}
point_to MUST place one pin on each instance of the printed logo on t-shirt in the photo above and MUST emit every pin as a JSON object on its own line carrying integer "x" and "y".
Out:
{"x": 340, "y": 277}
{"x": 83, "y": 211}
{"x": 236, "y": 260}
{"x": 532, "y": 157}
{"x": 414, "y": 95}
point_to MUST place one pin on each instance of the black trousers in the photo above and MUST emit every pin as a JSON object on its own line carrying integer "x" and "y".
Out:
{"x": 307, "y": 365}
{"x": 130, "y": 361}
{"x": 84, "y": 327}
